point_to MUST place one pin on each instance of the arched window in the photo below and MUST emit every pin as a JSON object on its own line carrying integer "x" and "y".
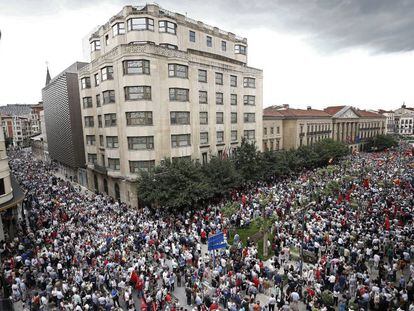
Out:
{"x": 95, "y": 180}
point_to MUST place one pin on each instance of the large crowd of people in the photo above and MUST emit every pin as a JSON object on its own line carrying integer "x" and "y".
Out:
{"x": 353, "y": 220}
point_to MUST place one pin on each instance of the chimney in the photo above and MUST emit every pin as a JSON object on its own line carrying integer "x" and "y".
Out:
{"x": 309, "y": 108}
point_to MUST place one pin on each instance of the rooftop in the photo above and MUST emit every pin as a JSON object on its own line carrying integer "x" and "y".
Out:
{"x": 285, "y": 111}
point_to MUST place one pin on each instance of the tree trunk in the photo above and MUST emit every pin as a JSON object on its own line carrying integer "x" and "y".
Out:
{"x": 265, "y": 248}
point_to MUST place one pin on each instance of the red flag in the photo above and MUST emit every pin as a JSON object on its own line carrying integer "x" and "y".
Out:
{"x": 348, "y": 196}
{"x": 366, "y": 182}
{"x": 339, "y": 201}
{"x": 244, "y": 199}
{"x": 387, "y": 223}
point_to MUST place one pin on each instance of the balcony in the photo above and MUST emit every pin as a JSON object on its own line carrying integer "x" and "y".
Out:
{"x": 100, "y": 169}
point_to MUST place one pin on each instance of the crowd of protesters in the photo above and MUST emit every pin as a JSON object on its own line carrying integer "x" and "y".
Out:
{"x": 83, "y": 251}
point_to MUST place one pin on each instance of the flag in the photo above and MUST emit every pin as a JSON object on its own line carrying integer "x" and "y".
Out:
{"x": 339, "y": 201}
{"x": 387, "y": 223}
{"x": 366, "y": 182}
{"x": 244, "y": 199}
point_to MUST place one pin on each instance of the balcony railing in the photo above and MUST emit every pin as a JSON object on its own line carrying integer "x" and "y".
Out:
{"x": 100, "y": 169}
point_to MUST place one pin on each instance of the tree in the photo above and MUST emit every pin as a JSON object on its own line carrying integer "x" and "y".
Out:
{"x": 381, "y": 142}
{"x": 329, "y": 149}
{"x": 221, "y": 176}
{"x": 248, "y": 161}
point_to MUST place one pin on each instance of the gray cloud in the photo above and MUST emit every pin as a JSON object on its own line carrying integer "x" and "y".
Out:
{"x": 383, "y": 26}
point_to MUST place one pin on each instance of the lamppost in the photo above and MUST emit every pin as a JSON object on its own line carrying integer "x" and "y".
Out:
{"x": 304, "y": 210}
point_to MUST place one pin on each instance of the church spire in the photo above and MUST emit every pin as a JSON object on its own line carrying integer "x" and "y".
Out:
{"x": 47, "y": 75}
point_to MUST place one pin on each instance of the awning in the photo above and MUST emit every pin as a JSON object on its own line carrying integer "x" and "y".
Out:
{"x": 18, "y": 196}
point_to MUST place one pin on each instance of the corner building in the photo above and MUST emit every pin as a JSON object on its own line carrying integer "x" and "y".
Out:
{"x": 161, "y": 85}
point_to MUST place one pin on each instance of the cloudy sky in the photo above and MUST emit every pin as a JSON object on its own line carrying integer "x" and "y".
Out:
{"x": 317, "y": 53}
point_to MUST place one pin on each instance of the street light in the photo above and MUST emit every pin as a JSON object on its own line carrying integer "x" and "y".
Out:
{"x": 305, "y": 209}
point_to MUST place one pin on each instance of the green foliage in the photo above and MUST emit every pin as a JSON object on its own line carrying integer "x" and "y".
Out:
{"x": 331, "y": 187}
{"x": 221, "y": 176}
{"x": 230, "y": 209}
{"x": 248, "y": 162}
{"x": 381, "y": 142}
{"x": 327, "y": 298}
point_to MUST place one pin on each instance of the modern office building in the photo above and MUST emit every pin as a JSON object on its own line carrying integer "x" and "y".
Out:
{"x": 64, "y": 123}
{"x": 162, "y": 85}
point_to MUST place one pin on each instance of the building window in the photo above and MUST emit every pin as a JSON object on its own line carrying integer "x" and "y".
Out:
{"x": 209, "y": 41}
{"x": 204, "y": 138}
{"x": 169, "y": 46}
{"x": 113, "y": 164}
{"x": 219, "y": 117}
{"x": 86, "y": 83}
{"x": 110, "y": 119}
{"x": 234, "y": 117}
{"x": 89, "y": 121}
{"x": 181, "y": 140}
{"x": 136, "y": 67}
{"x": 265, "y": 131}
{"x": 166, "y": 26}
{"x": 112, "y": 141}
{"x": 278, "y": 130}
{"x": 233, "y": 81}
{"x": 219, "y": 98}
{"x": 249, "y": 135}
{"x": 234, "y": 135}
{"x": 249, "y": 82}
{"x": 87, "y": 102}
{"x": 139, "y": 118}
{"x": 118, "y": 29}
{"x": 179, "y": 117}
{"x": 137, "y": 92}
{"x": 192, "y": 36}
{"x": 108, "y": 97}
{"x": 95, "y": 45}
{"x": 223, "y": 46}
{"x": 141, "y": 23}
{"x": 101, "y": 140}
{"x": 177, "y": 70}
{"x": 249, "y": 118}
{"x": 220, "y": 137}
{"x": 202, "y": 97}
{"x": 249, "y": 100}
{"x": 240, "y": 49}
{"x": 219, "y": 78}
{"x": 203, "y": 117}
{"x": 202, "y": 75}
{"x": 233, "y": 99}
{"x": 97, "y": 81}
{"x": 107, "y": 73}
{"x": 141, "y": 143}
{"x": 90, "y": 140}
{"x": 137, "y": 166}
{"x": 99, "y": 120}
{"x": 92, "y": 158}
{"x": 98, "y": 100}
{"x": 180, "y": 95}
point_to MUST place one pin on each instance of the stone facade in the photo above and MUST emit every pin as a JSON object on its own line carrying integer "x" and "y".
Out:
{"x": 161, "y": 85}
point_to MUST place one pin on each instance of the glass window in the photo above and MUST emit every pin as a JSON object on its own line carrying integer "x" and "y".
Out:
{"x": 209, "y": 41}
{"x": 234, "y": 135}
{"x": 108, "y": 97}
{"x": 249, "y": 100}
{"x": 234, "y": 117}
{"x": 140, "y": 66}
{"x": 112, "y": 141}
{"x": 107, "y": 73}
{"x": 220, "y": 137}
{"x": 177, "y": 70}
{"x": 110, "y": 119}
{"x": 92, "y": 158}
{"x": 97, "y": 81}
{"x": 240, "y": 49}
{"x": 87, "y": 102}
{"x": 141, "y": 42}
{"x": 90, "y": 140}
{"x": 137, "y": 92}
{"x": 139, "y": 118}
{"x": 203, "y": 117}
{"x": 141, "y": 23}
{"x": 118, "y": 29}
{"x": 181, "y": 140}
{"x": 192, "y": 36}
{"x": 136, "y": 166}
{"x": 166, "y": 26}
{"x": 219, "y": 78}
{"x": 179, "y": 117}
{"x": 202, "y": 75}
{"x": 233, "y": 81}
{"x": 204, "y": 138}
{"x": 177, "y": 94}
{"x": 249, "y": 82}
{"x": 113, "y": 164}
{"x": 249, "y": 117}
{"x": 219, "y": 118}
{"x": 141, "y": 143}
{"x": 89, "y": 121}
{"x": 169, "y": 46}
{"x": 202, "y": 97}
{"x": 233, "y": 99}
{"x": 223, "y": 46}
{"x": 86, "y": 83}
{"x": 98, "y": 100}
{"x": 95, "y": 45}
{"x": 249, "y": 134}
{"x": 219, "y": 98}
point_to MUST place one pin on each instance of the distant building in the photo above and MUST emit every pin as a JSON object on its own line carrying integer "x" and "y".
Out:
{"x": 63, "y": 123}
{"x": 404, "y": 120}
{"x": 390, "y": 126}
